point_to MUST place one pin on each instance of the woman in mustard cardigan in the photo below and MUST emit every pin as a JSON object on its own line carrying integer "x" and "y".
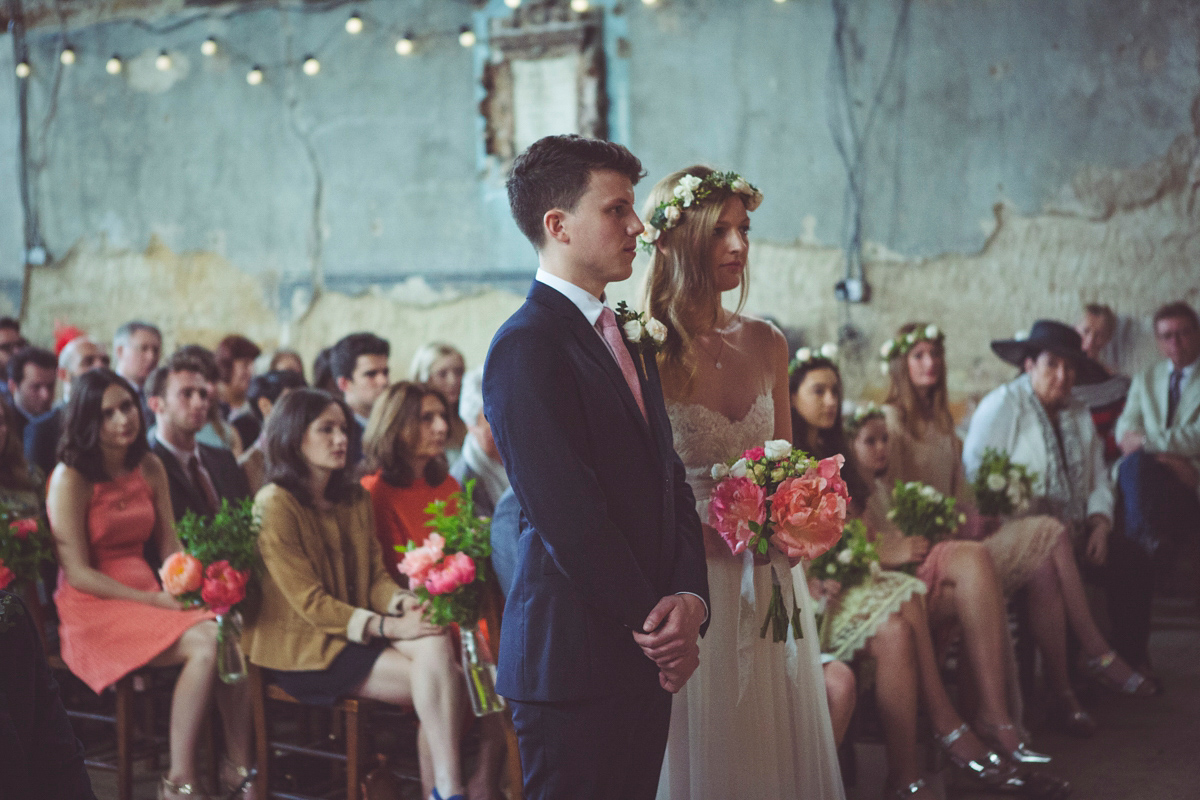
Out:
{"x": 331, "y": 621}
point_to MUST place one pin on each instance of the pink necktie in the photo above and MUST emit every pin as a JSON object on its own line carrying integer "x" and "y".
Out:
{"x": 616, "y": 344}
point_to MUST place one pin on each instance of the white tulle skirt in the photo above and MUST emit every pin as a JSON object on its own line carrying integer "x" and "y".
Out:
{"x": 752, "y": 723}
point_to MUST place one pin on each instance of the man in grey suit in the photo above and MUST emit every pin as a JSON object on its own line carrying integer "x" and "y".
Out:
{"x": 1158, "y": 477}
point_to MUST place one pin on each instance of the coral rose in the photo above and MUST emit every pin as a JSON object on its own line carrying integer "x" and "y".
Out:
{"x": 23, "y": 527}
{"x": 455, "y": 571}
{"x": 6, "y": 575}
{"x": 418, "y": 561}
{"x": 808, "y": 513}
{"x": 224, "y": 586}
{"x": 735, "y": 503}
{"x": 181, "y": 573}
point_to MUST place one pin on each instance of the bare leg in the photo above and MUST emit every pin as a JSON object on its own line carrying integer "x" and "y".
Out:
{"x": 196, "y": 649}
{"x": 423, "y": 672}
{"x": 485, "y": 782}
{"x": 840, "y": 693}
{"x": 1049, "y": 628}
{"x": 896, "y": 697}
{"x": 233, "y": 701}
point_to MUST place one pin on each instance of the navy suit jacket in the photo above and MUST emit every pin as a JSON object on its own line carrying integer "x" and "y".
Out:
{"x": 41, "y": 439}
{"x": 227, "y": 477}
{"x": 608, "y": 522}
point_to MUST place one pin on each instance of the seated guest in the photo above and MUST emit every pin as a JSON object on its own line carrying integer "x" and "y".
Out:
{"x": 31, "y": 375}
{"x": 235, "y": 362}
{"x": 1034, "y": 420}
{"x": 323, "y": 373}
{"x": 287, "y": 360}
{"x": 1104, "y": 398}
{"x": 217, "y": 432}
{"x": 22, "y": 487}
{"x": 331, "y": 621}
{"x": 442, "y": 366}
{"x": 108, "y": 496}
{"x": 41, "y": 757}
{"x": 136, "y": 349}
{"x": 263, "y": 394}
{"x": 1159, "y": 432}
{"x": 200, "y": 476}
{"x": 42, "y": 434}
{"x": 480, "y": 459}
{"x": 360, "y": 367}
{"x": 10, "y": 342}
{"x": 506, "y": 530}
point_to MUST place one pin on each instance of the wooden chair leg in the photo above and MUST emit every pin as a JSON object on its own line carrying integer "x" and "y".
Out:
{"x": 512, "y": 762}
{"x": 355, "y": 736}
{"x": 258, "y": 709}
{"x": 124, "y": 715}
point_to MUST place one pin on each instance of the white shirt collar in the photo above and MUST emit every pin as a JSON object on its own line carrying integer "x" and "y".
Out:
{"x": 183, "y": 456}
{"x": 587, "y": 303}
{"x": 1186, "y": 370}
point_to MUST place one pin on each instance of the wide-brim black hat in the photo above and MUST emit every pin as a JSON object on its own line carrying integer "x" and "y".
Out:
{"x": 1062, "y": 340}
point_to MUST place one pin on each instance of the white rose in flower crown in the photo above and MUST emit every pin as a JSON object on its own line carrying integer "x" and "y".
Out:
{"x": 996, "y": 482}
{"x": 650, "y": 234}
{"x": 719, "y": 471}
{"x": 803, "y": 354}
{"x": 932, "y": 332}
{"x": 776, "y": 449}
{"x": 672, "y": 214}
{"x": 740, "y": 186}
{"x": 633, "y": 331}
{"x": 846, "y": 556}
{"x": 754, "y": 201}
{"x": 656, "y": 331}
{"x": 740, "y": 468}
{"x": 690, "y": 182}
{"x": 886, "y": 350}
{"x": 829, "y": 350}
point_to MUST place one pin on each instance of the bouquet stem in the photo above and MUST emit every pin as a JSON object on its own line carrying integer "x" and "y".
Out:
{"x": 777, "y": 615}
{"x": 231, "y": 662}
{"x": 480, "y": 672}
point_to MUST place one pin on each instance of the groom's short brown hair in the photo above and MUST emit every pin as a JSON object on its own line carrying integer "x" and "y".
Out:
{"x": 553, "y": 173}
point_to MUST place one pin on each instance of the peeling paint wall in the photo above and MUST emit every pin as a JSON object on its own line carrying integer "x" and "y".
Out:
{"x": 1014, "y": 159}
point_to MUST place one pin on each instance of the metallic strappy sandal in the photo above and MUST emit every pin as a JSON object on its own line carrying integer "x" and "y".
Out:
{"x": 179, "y": 789}
{"x": 1021, "y": 754}
{"x": 239, "y": 788}
{"x": 991, "y": 773}
{"x": 908, "y": 791}
{"x": 1098, "y": 668}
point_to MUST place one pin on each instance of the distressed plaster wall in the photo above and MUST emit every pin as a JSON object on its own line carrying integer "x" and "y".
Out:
{"x": 1014, "y": 158}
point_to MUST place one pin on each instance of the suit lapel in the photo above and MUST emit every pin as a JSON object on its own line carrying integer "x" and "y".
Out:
{"x": 179, "y": 478}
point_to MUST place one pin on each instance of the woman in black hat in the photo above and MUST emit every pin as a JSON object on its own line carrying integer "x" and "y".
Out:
{"x": 1037, "y": 423}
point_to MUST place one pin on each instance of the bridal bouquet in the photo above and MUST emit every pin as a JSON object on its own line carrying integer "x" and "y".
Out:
{"x": 24, "y": 547}
{"x": 447, "y": 574}
{"x": 213, "y": 570}
{"x": 921, "y": 510}
{"x": 1001, "y": 487}
{"x": 850, "y": 561}
{"x": 777, "y": 495}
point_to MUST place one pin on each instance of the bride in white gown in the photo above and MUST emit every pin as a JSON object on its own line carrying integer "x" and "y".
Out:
{"x": 752, "y": 722}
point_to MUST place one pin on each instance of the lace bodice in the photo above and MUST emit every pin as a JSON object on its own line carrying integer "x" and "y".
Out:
{"x": 704, "y": 436}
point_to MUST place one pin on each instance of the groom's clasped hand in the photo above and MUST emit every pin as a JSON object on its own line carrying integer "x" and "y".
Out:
{"x": 669, "y": 638}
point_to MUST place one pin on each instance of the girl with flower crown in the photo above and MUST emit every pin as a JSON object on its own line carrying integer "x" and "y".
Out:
{"x": 753, "y": 721}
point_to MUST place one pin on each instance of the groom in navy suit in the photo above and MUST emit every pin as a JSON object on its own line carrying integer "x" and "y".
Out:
{"x": 611, "y": 588}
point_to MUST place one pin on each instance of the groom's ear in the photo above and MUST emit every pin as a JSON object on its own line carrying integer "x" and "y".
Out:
{"x": 554, "y": 223}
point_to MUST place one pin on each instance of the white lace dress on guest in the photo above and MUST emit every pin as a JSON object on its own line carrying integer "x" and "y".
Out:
{"x": 753, "y": 721}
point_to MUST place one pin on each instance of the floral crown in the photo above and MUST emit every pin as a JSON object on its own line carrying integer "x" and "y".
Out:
{"x": 861, "y": 416}
{"x": 693, "y": 191}
{"x": 806, "y": 355}
{"x": 894, "y": 348}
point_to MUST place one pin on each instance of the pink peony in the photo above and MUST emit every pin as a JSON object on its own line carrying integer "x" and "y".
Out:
{"x": 456, "y": 570}
{"x": 181, "y": 573}
{"x": 754, "y": 454}
{"x": 418, "y": 561}
{"x": 224, "y": 586}
{"x": 808, "y": 513}
{"x": 6, "y": 575}
{"x": 735, "y": 503}
{"x": 23, "y": 527}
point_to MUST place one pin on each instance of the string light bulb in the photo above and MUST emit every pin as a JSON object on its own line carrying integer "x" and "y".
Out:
{"x": 466, "y": 36}
{"x": 113, "y": 66}
{"x": 580, "y": 6}
{"x": 354, "y": 24}
{"x": 311, "y": 66}
{"x": 649, "y": 2}
{"x": 163, "y": 62}
{"x": 255, "y": 76}
{"x": 22, "y": 69}
{"x": 404, "y": 46}
{"x": 67, "y": 56}
{"x": 513, "y": 3}
{"x": 209, "y": 46}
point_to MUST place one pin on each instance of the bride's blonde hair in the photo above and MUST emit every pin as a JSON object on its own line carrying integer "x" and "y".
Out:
{"x": 680, "y": 290}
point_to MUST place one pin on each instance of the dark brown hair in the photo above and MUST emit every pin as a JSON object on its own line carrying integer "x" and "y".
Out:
{"x": 79, "y": 447}
{"x": 182, "y": 361}
{"x": 554, "y": 173}
{"x": 234, "y": 348}
{"x": 387, "y": 443}
{"x": 1178, "y": 309}
{"x": 286, "y": 465}
{"x": 914, "y": 412}
{"x": 14, "y": 472}
{"x": 829, "y": 442}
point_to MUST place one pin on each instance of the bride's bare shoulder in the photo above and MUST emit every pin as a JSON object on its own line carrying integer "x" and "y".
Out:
{"x": 759, "y": 332}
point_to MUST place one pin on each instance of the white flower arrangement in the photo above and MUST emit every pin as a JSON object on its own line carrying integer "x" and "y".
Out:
{"x": 899, "y": 346}
{"x": 639, "y": 329}
{"x": 804, "y": 355}
{"x": 692, "y": 190}
{"x": 861, "y": 416}
{"x": 1003, "y": 488}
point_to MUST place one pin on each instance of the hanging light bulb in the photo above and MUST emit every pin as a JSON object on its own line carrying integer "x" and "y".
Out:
{"x": 580, "y": 6}
{"x": 404, "y": 46}
{"x": 354, "y": 24}
{"x": 255, "y": 76}
{"x": 163, "y": 62}
{"x": 209, "y": 46}
{"x": 466, "y": 36}
{"x": 311, "y": 66}
{"x": 649, "y": 2}
{"x": 113, "y": 66}
{"x": 67, "y": 56}
{"x": 513, "y": 3}
{"x": 22, "y": 69}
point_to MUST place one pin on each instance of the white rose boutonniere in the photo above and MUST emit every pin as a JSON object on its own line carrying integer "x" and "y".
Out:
{"x": 656, "y": 331}
{"x": 633, "y": 330}
{"x": 639, "y": 330}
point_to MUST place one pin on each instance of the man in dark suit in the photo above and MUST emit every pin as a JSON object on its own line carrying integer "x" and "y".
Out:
{"x": 32, "y": 372}
{"x": 200, "y": 476}
{"x": 42, "y": 434}
{"x": 360, "y": 366}
{"x": 611, "y": 590}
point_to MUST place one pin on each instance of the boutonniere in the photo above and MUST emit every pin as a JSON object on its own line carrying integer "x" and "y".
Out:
{"x": 641, "y": 330}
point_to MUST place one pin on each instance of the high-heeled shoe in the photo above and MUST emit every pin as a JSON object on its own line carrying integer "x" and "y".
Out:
{"x": 1021, "y": 754}
{"x": 1136, "y": 684}
{"x": 905, "y": 792}
{"x": 167, "y": 790}
{"x": 991, "y": 773}
{"x": 1071, "y": 720}
{"x": 236, "y": 782}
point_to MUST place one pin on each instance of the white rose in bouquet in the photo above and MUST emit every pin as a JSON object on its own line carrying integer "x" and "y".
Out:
{"x": 740, "y": 468}
{"x": 776, "y": 449}
{"x": 719, "y": 471}
{"x": 845, "y": 557}
{"x": 996, "y": 482}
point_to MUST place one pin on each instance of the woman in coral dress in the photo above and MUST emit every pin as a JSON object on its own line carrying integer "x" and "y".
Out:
{"x": 106, "y": 499}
